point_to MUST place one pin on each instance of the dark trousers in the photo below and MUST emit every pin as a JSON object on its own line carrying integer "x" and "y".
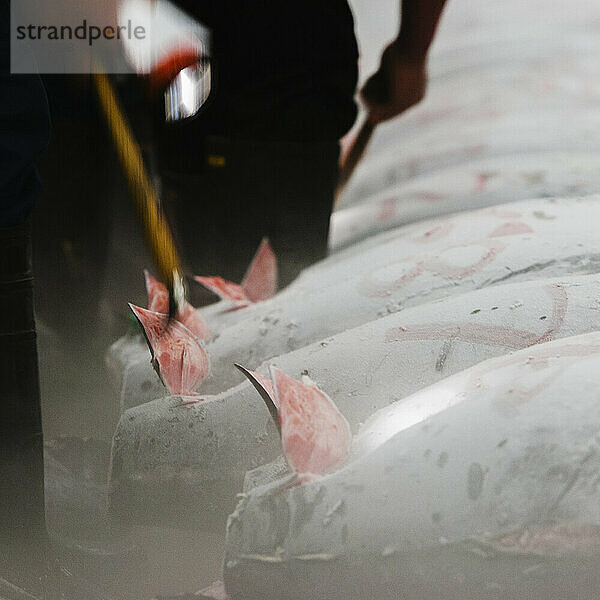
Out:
{"x": 247, "y": 190}
{"x": 22, "y": 525}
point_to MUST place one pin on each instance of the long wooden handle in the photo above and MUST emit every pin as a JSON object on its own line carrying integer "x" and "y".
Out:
{"x": 156, "y": 228}
{"x": 353, "y": 155}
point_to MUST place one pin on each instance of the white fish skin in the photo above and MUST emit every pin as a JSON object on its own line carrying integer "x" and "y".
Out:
{"x": 475, "y": 184}
{"x": 414, "y": 265}
{"x": 166, "y": 453}
{"x": 523, "y": 132}
{"x": 496, "y": 482}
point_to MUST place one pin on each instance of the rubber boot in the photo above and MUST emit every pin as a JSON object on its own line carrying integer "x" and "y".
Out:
{"x": 23, "y": 542}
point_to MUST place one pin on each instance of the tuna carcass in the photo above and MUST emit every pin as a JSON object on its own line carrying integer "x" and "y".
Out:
{"x": 405, "y": 267}
{"x": 484, "y": 485}
{"x": 524, "y": 133}
{"x": 260, "y": 283}
{"x": 487, "y": 182}
{"x": 170, "y": 456}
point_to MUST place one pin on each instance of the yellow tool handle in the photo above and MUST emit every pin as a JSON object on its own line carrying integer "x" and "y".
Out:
{"x": 155, "y": 225}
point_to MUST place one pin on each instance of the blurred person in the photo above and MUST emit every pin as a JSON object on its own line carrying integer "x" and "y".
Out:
{"x": 24, "y": 133}
{"x": 261, "y": 157}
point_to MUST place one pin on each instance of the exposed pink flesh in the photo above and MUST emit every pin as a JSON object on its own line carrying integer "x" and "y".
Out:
{"x": 158, "y": 301}
{"x": 260, "y": 281}
{"x": 315, "y": 435}
{"x": 226, "y": 290}
{"x": 177, "y": 354}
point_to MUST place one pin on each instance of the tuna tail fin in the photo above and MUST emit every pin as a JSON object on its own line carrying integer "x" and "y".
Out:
{"x": 265, "y": 389}
{"x": 152, "y": 324}
{"x": 260, "y": 280}
{"x": 315, "y": 435}
{"x": 158, "y": 297}
{"x": 226, "y": 290}
{"x": 158, "y": 301}
{"x": 178, "y": 356}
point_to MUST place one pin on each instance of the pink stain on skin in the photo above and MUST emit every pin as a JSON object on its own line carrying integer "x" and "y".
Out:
{"x": 482, "y": 181}
{"x": 371, "y": 288}
{"x": 387, "y": 209}
{"x": 494, "y": 335}
{"x": 178, "y": 356}
{"x": 428, "y": 196}
{"x": 259, "y": 283}
{"x": 316, "y": 437}
{"x": 436, "y": 233}
{"x": 511, "y": 228}
{"x": 158, "y": 301}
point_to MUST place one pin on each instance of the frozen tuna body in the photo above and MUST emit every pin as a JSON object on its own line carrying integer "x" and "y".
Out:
{"x": 477, "y": 184}
{"x": 523, "y": 133}
{"x": 164, "y": 450}
{"x": 180, "y": 461}
{"x": 546, "y": 239}
{"x": 478, "y": 487}
{"x": 403, "y": 268}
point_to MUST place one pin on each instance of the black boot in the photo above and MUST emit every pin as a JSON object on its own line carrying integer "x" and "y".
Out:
{"x": 22, "y": 526}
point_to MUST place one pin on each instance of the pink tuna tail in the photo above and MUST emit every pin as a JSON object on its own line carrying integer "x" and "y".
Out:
{"x": 178, "y": 356}
{"x": 158, "y": 297}
{"x": 226, "y": 290}
{"x": 260, "y": 280}
{"x": 315, "y": 435}
{"x": 193, "y": 320}
{"x": 158, "y": 301}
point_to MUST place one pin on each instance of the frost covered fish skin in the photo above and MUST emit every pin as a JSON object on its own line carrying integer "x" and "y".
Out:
{"x": 547, "y": 131}
{"x": 402, "y": 268}
{"x": 207, "y": 448}
{"x": 469, "y": 251}
{"x": 486, "y": 182}
{"x": 178, "y": 356}
{"x": 481, "y": 486}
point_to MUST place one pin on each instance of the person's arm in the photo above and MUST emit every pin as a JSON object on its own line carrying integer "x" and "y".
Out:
{"x": 401, "y": 79}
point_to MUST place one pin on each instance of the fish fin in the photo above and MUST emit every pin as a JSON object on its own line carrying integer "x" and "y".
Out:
{"x": 158, "y": 301}
{"x": 226, "y": 290}
{"x": 178, "y": 356}
{"x": 265, "y": 389}
{"x": 260, "y": 280}
{"x": 151, "y": 323}
{"x": 194, "y": 321}
{"x": 158, "y": 296}
{"x": 315, "y": 435}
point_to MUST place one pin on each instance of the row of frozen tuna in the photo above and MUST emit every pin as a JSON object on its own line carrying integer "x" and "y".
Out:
{"x": 421, "y": 420}
{"x": 492, "y": 473}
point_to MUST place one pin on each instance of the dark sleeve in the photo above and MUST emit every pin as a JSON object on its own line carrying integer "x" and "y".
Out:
{"x": 24, "y": 133}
